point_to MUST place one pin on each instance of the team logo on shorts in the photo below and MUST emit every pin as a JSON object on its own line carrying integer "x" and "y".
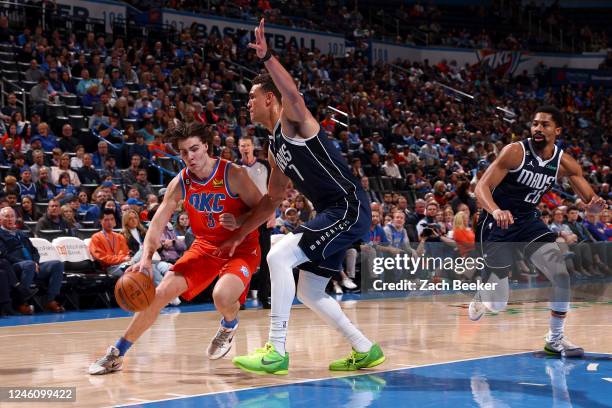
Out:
{"x": 245, "y": 271}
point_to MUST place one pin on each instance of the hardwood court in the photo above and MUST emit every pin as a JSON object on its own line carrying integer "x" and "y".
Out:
{"x": 169, "y": 361}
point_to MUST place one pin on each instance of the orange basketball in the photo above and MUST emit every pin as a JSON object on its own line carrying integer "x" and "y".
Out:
{"x": 134, "y": 291}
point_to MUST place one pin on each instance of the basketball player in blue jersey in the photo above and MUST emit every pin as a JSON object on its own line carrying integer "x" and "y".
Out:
{"x": 300, "y": 152}
{"x": 509, "y": 192}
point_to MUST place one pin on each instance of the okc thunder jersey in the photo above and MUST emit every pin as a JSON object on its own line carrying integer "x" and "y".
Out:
{"x": 205, "y": 200}
{"x": 316, "y": 168}
{"x": 522, "y": 188}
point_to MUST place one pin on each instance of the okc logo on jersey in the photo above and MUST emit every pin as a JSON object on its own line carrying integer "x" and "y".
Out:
{"x": 207, "y": 202}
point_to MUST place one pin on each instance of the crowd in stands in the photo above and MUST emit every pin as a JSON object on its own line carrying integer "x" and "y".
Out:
{"x": 500, "y": 25}
{"x": 416, "y": 148}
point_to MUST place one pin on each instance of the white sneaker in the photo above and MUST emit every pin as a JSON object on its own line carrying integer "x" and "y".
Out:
{"x": 477, "y": 309}
{"x": 107, "y": 364}
{"x": 561, "y": 346}
{"x": 222, "y": 343}
{"x": 349, "y": 284}
{"x": 337, "y": 288}
{"x": 175, "y": 302}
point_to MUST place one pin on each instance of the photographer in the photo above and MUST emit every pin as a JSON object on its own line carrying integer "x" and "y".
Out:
{"x": 430, "y": 217}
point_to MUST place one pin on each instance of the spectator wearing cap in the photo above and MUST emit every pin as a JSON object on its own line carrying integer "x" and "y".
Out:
{"x": 390, "y": 168}
{"x": 47, "y": 138}
{"x": 52, "y": 220}
{"x": 87, "y": 173}
{"x": 135, "y": 204}
{"x": 26, "y": 187}
{"x": 377, "y": 145}
{"x": 110, "y": 169}
{"x": 45, "y": 189}
{"x": 55, "y": 84}
{"x": 148, "y": 131}
{"x": 291, "y": 222}
{"x": 140, "y": 147}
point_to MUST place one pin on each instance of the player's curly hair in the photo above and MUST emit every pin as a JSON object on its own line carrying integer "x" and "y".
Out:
{"x": 184, "y": 131}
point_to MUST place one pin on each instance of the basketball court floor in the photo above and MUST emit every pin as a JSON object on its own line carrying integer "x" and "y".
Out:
{"x": 436, "y": 357}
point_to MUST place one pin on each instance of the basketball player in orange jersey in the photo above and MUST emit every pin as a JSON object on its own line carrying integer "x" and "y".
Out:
{"x": 216, "y": 195}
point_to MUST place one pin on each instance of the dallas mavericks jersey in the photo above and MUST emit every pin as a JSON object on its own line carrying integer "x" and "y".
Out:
{"x": 316, "y": 168}
{"x": 521, "y": 190}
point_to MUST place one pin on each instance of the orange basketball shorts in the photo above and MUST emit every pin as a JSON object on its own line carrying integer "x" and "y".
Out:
{"x": 200, "y": 267}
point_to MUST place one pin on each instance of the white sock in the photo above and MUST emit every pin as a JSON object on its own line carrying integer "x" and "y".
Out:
{"x": 351, "y": 260}
{"x": 557, "y": 323}
{"x": 311, "y": 292}
{"x": 282, "y": 258}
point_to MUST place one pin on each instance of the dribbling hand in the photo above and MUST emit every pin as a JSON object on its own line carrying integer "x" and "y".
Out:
{"x": 260, "y": 46}
{"x": 503, "y": 218}
{"x": 142, "y": 266}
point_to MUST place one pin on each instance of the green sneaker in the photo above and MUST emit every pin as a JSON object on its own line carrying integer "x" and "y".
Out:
{"x": 357, "y": 360}
{"x": 264, "y": 360}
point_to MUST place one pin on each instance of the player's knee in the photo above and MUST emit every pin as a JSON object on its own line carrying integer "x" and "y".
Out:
{"x": 275, "y": 255}
{"x": 222, "y": 299}
{"x": 172, "y": 286}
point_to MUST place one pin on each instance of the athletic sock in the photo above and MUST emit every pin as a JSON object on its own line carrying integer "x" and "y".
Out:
{"x": 123, "y": 345}
{"x": 229, "y": 325}
{"x": 557, "y": 321}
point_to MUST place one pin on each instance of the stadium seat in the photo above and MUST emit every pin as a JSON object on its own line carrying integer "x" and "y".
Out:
{"x": 84, "y": 233}
{"x": 78, "y": 261}
{"x": 50, "y": 234}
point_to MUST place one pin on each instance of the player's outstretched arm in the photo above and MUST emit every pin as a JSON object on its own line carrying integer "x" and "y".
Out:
{"x": 156, "y": 227}
{"x": 294, "y": 108}
{"x": 509, "y": 158}
{"x": 571, "y": 169}
{"x": 261, "y": 212}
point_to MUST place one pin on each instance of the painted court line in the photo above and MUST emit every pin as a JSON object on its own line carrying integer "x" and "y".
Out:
{"x": 592, "y": 367}
{"x": 332, "y": 378}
